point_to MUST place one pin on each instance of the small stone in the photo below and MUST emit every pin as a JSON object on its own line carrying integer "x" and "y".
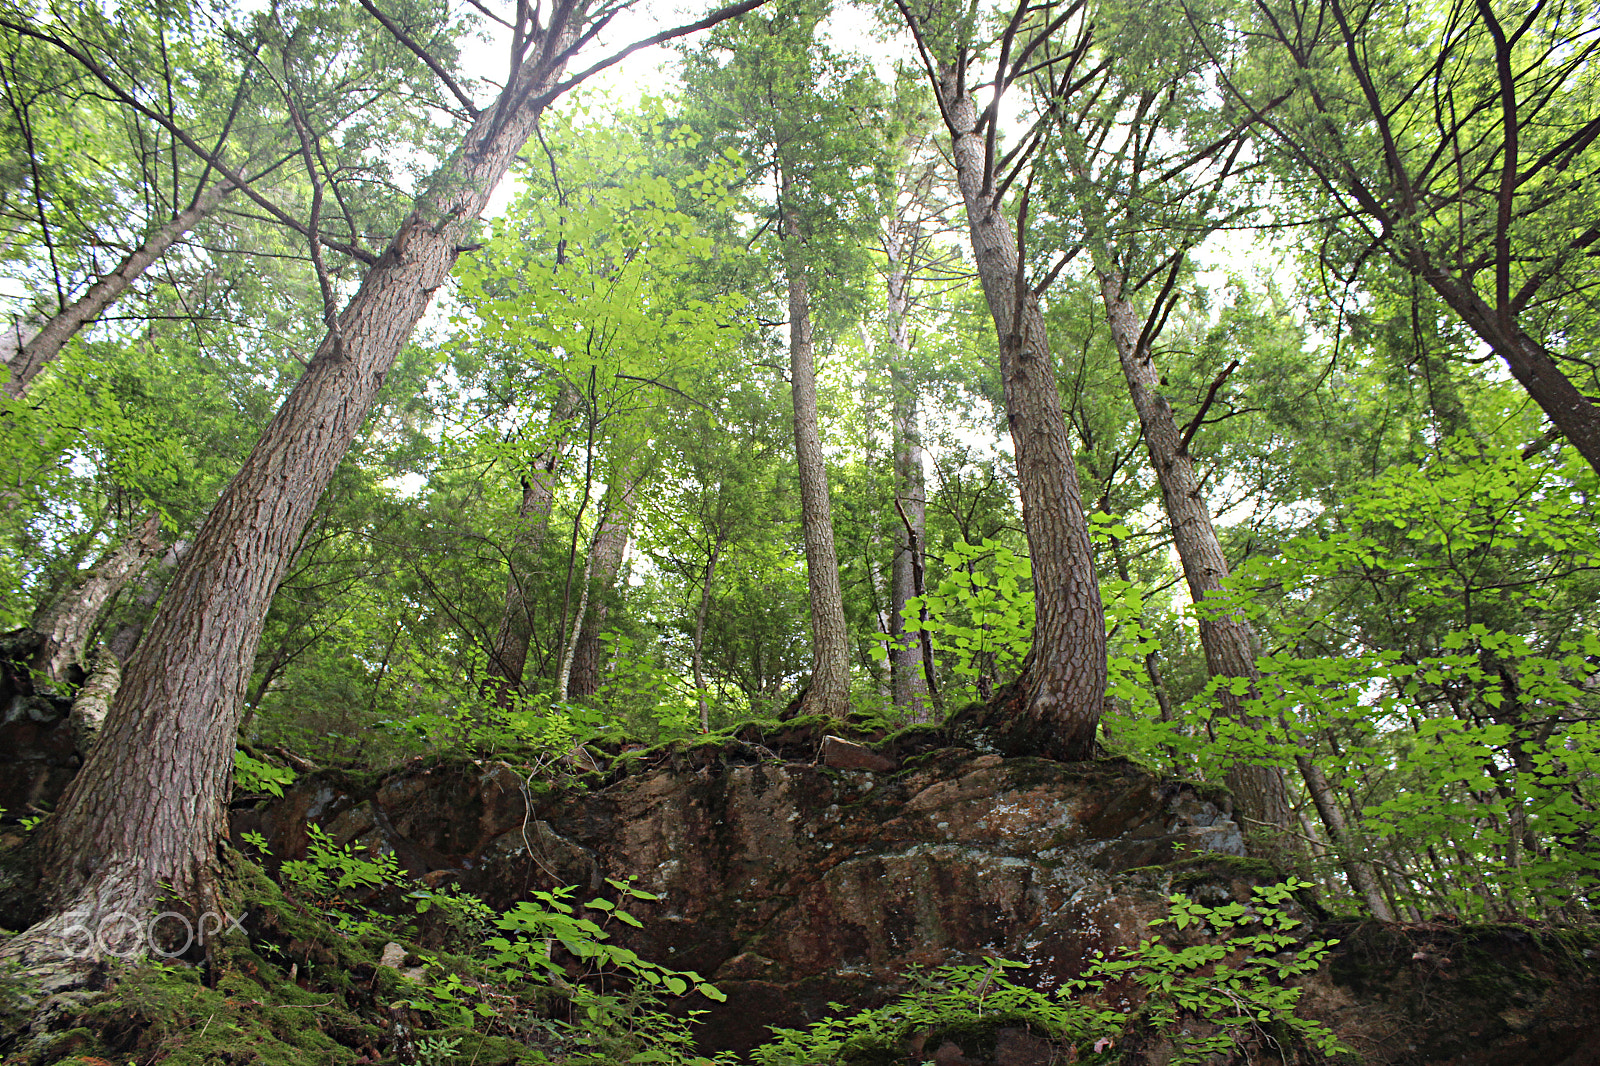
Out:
{"x": 393, "y": 955}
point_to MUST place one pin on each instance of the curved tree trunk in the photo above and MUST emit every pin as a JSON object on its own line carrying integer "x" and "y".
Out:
{"x": 36, "y": 349}
{"x": 829, "y": 693}
{"x": 142, "y": 818}
{"x": 1067, "y": 677}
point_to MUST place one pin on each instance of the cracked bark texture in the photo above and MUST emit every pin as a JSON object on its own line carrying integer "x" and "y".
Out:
{"x": 142, "y": 818}
{"x": 1066, "y": 681}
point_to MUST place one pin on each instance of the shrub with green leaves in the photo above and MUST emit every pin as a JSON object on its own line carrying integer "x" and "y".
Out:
{"x": 1224, "y": 987}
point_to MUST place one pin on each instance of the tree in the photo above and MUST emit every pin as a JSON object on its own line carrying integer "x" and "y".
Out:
{"x": 800, "y": 113}
{"x": 1065, "y": 687}
{"x": 1474, "y": 171}
{"x": 144, "y": 813}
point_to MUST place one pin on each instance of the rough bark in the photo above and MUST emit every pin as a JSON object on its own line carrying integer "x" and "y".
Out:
{"x": 610, "y": 545}
{"x": 905, "y": 651}
{"x": 67, "y": 623}
{"x": 1229, "y": 640}
{"x": 93, "y": 701}
{"x": 508, "y": 657}
{"x": 37, "y": 350}
{"x": 1066, "y": 683}
{"x": 142, "y": 817}
{"x": 830, "y": 670}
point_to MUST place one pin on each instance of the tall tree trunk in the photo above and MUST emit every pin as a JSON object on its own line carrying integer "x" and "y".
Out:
{"x": 67, "y": 623}
{"x": 508, "y": 657}
{"x": 610, "y": 545}
{"x": 905, "y": 651}
{"x": 143, "y": 816}
{"x": 829, "y": 693}
{"x": 1229, "y": 640}
{"x": 1066, "y": 680}
{"x": 37, "y": 349}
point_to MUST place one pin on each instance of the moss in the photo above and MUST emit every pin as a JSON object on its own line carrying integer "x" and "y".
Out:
{"x": 872, "y": 1051}
{"x": 978, "y": 1037}
{"x": 1212, "y": 867}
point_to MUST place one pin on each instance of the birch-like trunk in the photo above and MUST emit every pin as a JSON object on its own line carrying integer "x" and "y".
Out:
{"x": 29, "y": 351}
{"x": 1067, "y": 676}
{"x": 143, "y": 816}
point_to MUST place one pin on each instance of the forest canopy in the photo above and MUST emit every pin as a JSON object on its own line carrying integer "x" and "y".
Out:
{"x": 1213, "y": 384}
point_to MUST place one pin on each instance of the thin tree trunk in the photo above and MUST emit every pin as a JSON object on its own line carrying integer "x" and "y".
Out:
{"x": 143, "y": 816}
{"x": 1066, "y": 681}
{"x": 39, "y": 348}
{"x": 569, "y": 645}
{"x": 905, "y": 653}
{"x": 700, "y": 632}
{"x": 508, "y": 657}
{"x": 610, "y": 545}
{"x": 829, "y": 693}
{"x": 1362, "y": 877}
{"x": 67, "y": 623}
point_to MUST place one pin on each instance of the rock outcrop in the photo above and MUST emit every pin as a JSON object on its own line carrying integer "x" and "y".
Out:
{"x": 793, "y": 884}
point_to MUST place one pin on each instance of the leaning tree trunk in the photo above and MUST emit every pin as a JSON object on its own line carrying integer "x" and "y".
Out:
{"x": 142, "y": 818}
{"x": 905, "y": 650}
{"x": 829, "y": 693}
{"x": 35, "y": 350}
{"x": 508, "y": 658}
{"x": 610, "y": 545}
{"x": 1066, "y": 681}
{"x": 67, "y": 623}
{"x": 1229, "y": 640}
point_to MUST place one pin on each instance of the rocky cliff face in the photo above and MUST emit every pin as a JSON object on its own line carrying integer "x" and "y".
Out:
{"x": 796, "y": 873}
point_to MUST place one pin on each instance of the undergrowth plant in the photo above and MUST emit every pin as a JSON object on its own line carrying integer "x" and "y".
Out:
{"x": 1223, "y": 990}
{"x": 546, "y": 971}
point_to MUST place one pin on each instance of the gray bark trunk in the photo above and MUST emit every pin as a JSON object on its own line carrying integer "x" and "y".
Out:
{"x": 37, "y": 350}
{"x": 610, "y": 546}
{"x": 67, "y": 623}
{"x": 1067, "y": 677}
{"x": 905, "y": 649}
{"x": 508, "y": 657}
{"x": 144, "y": 814}
{"x": 1229, "y": 641}
{"x": 829, "y": 693}
{"x": 128, "y": 634}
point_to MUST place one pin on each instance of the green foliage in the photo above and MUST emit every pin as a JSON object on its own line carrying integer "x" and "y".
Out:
{"x": 331, "y": 878}
{"x": 1230, "y": 979}
{"x": 980, "y": 616}
{"x": 1213, "y": 986}
{"x": 251, "y": 774}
